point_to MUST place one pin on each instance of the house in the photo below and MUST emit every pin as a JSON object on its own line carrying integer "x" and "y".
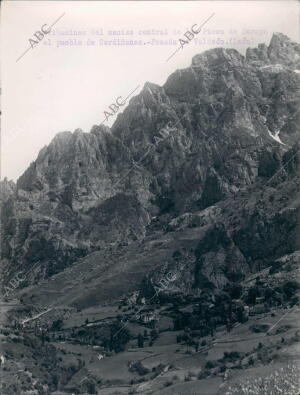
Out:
{"x": 147, "y": 317}
{"x": 100, "y": 348}
{"x": 259, "y": 299}
{"x": 187, "y": 309}
{"x": 258, "y": 309}
{"x": 247, "y": 310}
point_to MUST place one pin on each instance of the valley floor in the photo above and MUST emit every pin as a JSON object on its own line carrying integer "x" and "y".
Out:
{"x": 241, "y": 361}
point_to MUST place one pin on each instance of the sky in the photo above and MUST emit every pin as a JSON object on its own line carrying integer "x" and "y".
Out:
{"x": 71, "y": 75}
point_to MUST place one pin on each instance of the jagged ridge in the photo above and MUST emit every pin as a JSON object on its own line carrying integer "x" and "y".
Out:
{"x": 222, "y": 114}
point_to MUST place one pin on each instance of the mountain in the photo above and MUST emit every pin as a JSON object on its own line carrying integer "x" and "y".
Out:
{"x": 162, "y": 255}
{"x": 204, "y": 167}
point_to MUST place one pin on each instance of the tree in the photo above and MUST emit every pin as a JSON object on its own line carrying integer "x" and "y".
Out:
{"x": 228, "y": 325}
{"x": 199, "y": 310}
{"x": 252, "y": 295}
{"x": 188, "y": 338}
{"x": 269, "y": 295}
{"x": 140, "y": 341}
{"x": 154, "y": 334}
{"x": 235, "y": 291}
{"x": 119, "y": 337}
{"x": 57, "y": 325}
{"x": 55, "y": 380}
{"x": 43, "y": 337}
{"x": 212, "y": 326}
{"x": 90, "y": 386}
{"x": 240, "y": 313}
{"x": 290, "y": 287}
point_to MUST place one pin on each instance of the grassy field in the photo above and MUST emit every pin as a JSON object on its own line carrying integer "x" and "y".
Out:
{"x": 183, "y": 366}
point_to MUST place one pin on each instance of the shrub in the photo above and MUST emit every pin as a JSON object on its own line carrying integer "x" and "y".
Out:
{"x": 232, "y": 355}
{"x": 276, "y": 267}
{"x": 203, "y": 375}
{"x": 283, "y": 328}
{"x": 290, "y": 287}
{"x": 210, "y": 364}
{"x": 139, "y": 368}
{"x": 176, "y": 254}
{"x": 294, "y": 300}
{"x": 258, "y": 328}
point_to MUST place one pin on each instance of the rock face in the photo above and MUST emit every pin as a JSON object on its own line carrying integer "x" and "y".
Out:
{"x": 280, "y": 51}
{"x": 7, "y": 189}
{"x": 214, "y": 135}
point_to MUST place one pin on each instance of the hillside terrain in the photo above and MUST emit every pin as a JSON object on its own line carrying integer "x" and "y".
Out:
{"x": 162, "y": 255}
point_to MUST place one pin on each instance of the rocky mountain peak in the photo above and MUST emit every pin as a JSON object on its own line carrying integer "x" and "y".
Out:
{"x": 216, "y": 57}
{"x": 281, "y": 50}
{"x": 212, "y": 130}
{"x": 7, "y": 189}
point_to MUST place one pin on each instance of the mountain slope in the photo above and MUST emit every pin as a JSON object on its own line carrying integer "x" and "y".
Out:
{"x": 227, "y": 124}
